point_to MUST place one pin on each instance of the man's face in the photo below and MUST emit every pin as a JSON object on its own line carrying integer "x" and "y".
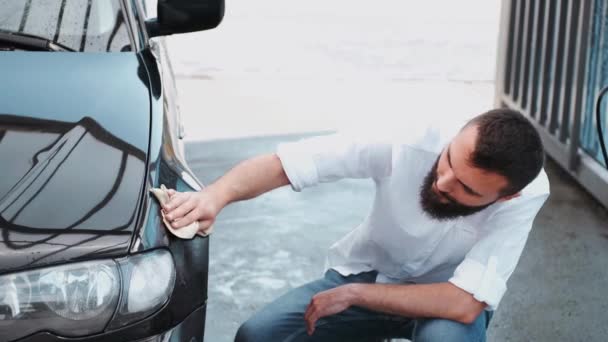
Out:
{"x": 453, "y": 188}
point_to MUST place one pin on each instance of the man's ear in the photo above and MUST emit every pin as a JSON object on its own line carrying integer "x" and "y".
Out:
{"x": 510, "y": 197}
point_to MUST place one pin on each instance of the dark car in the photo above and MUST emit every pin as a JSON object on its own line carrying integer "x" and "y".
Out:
{"x": 89, "y": 123}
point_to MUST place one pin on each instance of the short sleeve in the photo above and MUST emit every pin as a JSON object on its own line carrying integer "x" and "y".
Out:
{"x": 332, "y": 157}
{"x": 485, "y": 270}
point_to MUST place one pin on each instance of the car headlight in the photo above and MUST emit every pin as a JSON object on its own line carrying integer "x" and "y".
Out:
{"x": 79, "y": 293}
{"x": 149, "y": 281}
{"x": 80, "y": 299}
{"x": 71, "y": 300}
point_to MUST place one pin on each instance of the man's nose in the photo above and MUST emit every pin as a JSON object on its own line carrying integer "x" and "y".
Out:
{"x": 446, "y": 182}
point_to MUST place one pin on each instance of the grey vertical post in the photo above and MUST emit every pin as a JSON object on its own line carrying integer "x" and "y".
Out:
{"x": 502, "y": 53}
{"x": 514, "y": 47}
{"x": 557, "y": 67}
{"x": 546, "y": 60}
{"x": 580, "y": 88}
{"x": 563, "y": 107}
{"x": 539, "y": 21}
{"x": 517, "y": 49}
{"x": 526, "y": 49}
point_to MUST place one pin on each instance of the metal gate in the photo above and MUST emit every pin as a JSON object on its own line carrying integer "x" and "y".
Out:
{"x": 552, "y": 62}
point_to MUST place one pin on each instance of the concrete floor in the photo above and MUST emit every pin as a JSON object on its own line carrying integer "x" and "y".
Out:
{"x": 263, "y": 247}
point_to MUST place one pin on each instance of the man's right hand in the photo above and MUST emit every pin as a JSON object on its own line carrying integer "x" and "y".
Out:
{"x": 184, "y": 208}
{"x": 248, "y": 179}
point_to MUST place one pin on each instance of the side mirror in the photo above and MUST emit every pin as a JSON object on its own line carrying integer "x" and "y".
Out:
{"x": 182, "y": 16}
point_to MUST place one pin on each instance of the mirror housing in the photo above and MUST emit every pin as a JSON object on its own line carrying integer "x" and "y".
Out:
{"x": 182, "y": 16}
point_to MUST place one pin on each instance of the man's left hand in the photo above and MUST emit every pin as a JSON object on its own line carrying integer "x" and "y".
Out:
{"x": 327, "y": 303}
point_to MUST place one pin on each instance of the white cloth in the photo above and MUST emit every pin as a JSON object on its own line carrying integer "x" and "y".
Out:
{"x": 477, "y": 253}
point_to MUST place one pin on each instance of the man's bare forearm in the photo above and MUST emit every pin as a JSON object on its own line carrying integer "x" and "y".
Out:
{"x": 440, "y": 300}
{"x": 250, "y": 179}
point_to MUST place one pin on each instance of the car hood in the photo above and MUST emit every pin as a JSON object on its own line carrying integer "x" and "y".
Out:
{"x": 74, "y": 134}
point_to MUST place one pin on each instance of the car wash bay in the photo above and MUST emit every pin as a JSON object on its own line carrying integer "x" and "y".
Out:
{"x": 322, "y": 69}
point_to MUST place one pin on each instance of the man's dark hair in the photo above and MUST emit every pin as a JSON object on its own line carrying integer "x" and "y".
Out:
{"x": 509, "y": 145}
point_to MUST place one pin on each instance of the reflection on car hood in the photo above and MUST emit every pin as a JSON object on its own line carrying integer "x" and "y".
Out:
{"x": 74, "y": 132}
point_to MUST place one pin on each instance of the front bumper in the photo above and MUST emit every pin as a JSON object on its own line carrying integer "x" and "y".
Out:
{"x": 192, "y": 329}
{"x": 181, "y": 319}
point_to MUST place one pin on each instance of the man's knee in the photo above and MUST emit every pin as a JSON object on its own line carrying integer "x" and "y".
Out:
{"x": 243, "y": 334}
{"x": 434, "y": 330}
{"x": 250, "y": 332}
{"x": 246, "y": 333}
{"x": 261, "y": 328}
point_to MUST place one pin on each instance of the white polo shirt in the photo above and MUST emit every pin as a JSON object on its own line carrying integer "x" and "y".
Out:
{"x": 477, "y": 253}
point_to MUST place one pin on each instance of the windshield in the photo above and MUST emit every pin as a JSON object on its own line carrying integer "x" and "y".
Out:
{"x": 81, "y": 25}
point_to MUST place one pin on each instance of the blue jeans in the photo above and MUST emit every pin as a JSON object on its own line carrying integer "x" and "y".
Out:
{"x": 283, "y": 320}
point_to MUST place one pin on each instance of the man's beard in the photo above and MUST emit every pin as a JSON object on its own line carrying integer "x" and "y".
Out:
{"x": 432, "y": 205}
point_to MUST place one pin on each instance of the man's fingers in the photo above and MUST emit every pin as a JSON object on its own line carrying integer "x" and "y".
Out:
{"x": 181, "y": 211}
{"x": 186, "y": 220}
{"x": 176, "y": 200}
{"x": 308, "y": 312}
{"x": 204, "y": 225}
{"x": 171, "y": 192}
{"x": 310, "y": 324}
{"x": 309, "y": 319}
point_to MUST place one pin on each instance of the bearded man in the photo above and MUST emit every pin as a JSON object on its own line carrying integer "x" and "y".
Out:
{"x": 430, "y": 262}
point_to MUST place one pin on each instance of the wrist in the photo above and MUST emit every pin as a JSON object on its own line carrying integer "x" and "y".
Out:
{"x": 219, "y": 198}
{"x": 353, "y": 294}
